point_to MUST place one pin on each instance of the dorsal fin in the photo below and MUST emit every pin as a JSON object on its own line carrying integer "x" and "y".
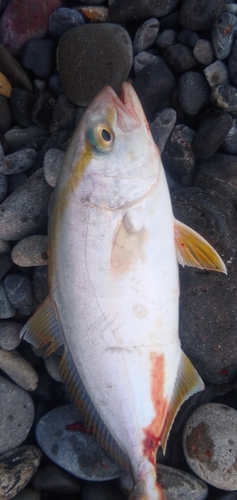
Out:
{"x": 193, "y": 250}
{"x": 188, "y": 382}
{"x": 43, "y": 328}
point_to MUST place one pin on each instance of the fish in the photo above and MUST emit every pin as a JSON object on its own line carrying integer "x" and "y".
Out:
{"x": 114, "y": 249}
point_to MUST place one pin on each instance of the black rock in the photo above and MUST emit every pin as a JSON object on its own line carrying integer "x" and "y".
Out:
{"x": 225, "y": 96}
{"x": 39, "y": 56}
{"x": 232, "y": 65}
{"x": 162, "y": 127}
{"x": 153, "y": 84}
{"x": 5, "y": 115}
{"x": 63, "y": 19}
{"x": 193, "y": 92}
{"x": 143, "y": 59}
{"x": 200, "y": 14}
{"x": 3, "y": 187}
{"x": 15, "y": 180}
{"x": 13, "y": 70}
{"x": 57, "y": 140}
{"x": 180, "y": 58}
{"x": 224, "y": 32}
{"x": 229, "y": 144}
{"x": 145, "y": 35}
{"x": 171, "y": 21}
{"x": 178, "y": 156}
{"x": 40, "y": 284}
{"x": 55, "y": 85}
{"x": 5, "y": 263}
{"x": 22, "y": 102}
{"x": 18, "y": 137}
{"x": 216, "y": 73}
{"x": 64, "y": 114}
{"x": 55, "y": 480}
{"x": 122, "y": 11}
{"x": 203, "y": 52}
{"x": 211, "y": 132}
{"x": 101, "y": 491}
{"x": 166, "y": 38}
{"x": 188, "y": 37}
{"x": 19, "y": 292}
{"x": 42, "y": 109}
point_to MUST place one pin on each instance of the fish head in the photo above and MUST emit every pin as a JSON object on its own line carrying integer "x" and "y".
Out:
{"x": 113, "y": 160}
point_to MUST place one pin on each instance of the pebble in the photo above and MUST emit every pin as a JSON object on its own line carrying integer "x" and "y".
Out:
{"x": 216, "y": 73}
{"x": 18, "y": 137}
{"x": 215, "y": 126}
{"x": 100, "y": 491}
{"x": 178, "y": 156}
{"x": 52, "y": 163}
{"x": 203, "y": 52}
{"x": 58, "y": 140}
{"x": 225, "y": 97}
{"x": 63, "y": 116}
{"x": 229, "y": 144}
{"x": 55, "y": 85}
{"x": 120, "y": 11}
{"x": 5, "y": 263}
{"x": 31, "y": 251}
{"x": 3, "y": 185}
{"x": 74, "y": 451}
{"x": 93, "y": 14}
{"x": 146, "y": 35}
{"x": 210, "y": 444}
{"x": 5, "y": 116}
{"x": 39, "y": 57}
{"x": 18, "y": 369}
{"x": 52, "y": 479}
{"x": 15, "y": 180}
{"x": 28, "y": 494}
{"x": 5, "y": 86}
{"x": 19, "y": 292}
{"x": 16, "y": 162}
{"x": 6, "y": 309}
{"x": 42, "y": 109}
{"x": 62, "y": 20}
{"x": 153, "y": 84}
{"x": 166, "y": 38}
{"x": 108, "y": 45}
{"x": 52, "y": 365}
{"x": 16, "y": 416}
{"x": 23, "y": 20}
{"x": 232, "y": 63}
{"x": 25, "y": 210}
{"x": 142, "y": 59}
{"x": 179, "y": 58}
{"x": 193, "y": 91}
{"x": 224, "y": 31}
{"x": 162, "y": 127}
{"x": 199, "y": 14}
{"x": 17, "y": 467}
{"x": 40, "y": 284}
{"x": 188, "y": 37}
{"x": 21, "y": 103}
{"x": 9, "y": 334}
{"x": 13, "y": 70}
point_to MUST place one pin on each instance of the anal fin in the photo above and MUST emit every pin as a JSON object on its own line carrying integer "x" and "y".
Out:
{"x": 188, "y": 382}
{"x": 43, "y": 328}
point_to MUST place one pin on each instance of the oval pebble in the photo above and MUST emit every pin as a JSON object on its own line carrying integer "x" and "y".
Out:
{"x": 215, "y": 125}
{"x": 6, "y": 308}
{"x": 193, "y": 92}
{"x": 40, "y": 284}
{"x": 224, "y": 31}
{"x": 31, "y": 251}
{"x": 11, "y": 68}
{"x": 121, "y": 11}
{"x": 179, "y": 57}
{"x": 55, "y": 480}
{"x": 52, "y": 365}
{"x": 18, "y": 369}
{"x": 16, "y": 416}
{"x": 210, "y": 444}
{"x": 17, "y": 467}
{"x": 26, "y": 209}
{"x": 178, "y": 156}
{"x": 52, "y": 163}
{"x": 166, "y": 38}
{"x": 3, "y": 186}
{"x": 9, "y": 334}
{"x": 17, "y": 162}
{"x": 62, "y": 20}
{"x": 108, "y": 45}
{"x": 200, "y": 14}
{"x": 39, "y": 57}
{"x": 145, "y": 35}
{"x": 216, "y": 73}
{"x": 162, "y": 127}
{"x": 142, "y": 59}
{"x": 203, "y": 52}
{"x": 19, "y": 292}
{"x": 5, "y": 263}
{"x": 18, "y": 137}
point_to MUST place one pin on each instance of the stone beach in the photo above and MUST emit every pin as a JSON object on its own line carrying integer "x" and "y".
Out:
{"x": 181, "y": 57}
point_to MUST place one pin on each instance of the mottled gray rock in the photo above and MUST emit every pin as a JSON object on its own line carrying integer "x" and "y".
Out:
{"x": 142, "y": 59}
{"x": 52, "y": 365}
{"x": 203, "y": 52}
{"x": 19, "y": 292}
{"x": 55, "y": 480}
{"x": 16, "y": 162}
{"x": 178, "y": 156}
{"x": 225, "y": 96}
{"x": 9, "y": 334}
{"x": 193, "y": 92}
{"x": 224, "y": 31}
{"x": 16, "y": 416}
{"x": 216, "y": 73}
{"x": 162, "y": 127}
{"x": 229, "y": 144}
{"x": 91, "y": 56}
{"x": 18, "y": 369}
{"x": 166, "y": 38}
{"x": 17, "y": 467}
{"x": 18, "y": 137}
{"x": 210, "y": 444}
{"x": 25, "y": 210}
{"x": 52, "y": 163}
{"x": 6, "y": 309}
{"x": 145, "y": 35}
{"x": 215, "y": 125}
{"x": 31, "y": 251}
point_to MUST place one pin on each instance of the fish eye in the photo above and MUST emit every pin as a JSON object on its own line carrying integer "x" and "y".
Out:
{"x": 102, "y": 137}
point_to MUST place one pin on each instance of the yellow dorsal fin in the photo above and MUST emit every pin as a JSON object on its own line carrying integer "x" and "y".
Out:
{"x": 193, "y": 250}
{"x": 188, "y": 382}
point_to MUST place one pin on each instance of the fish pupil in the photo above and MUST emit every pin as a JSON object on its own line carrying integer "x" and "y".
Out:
{"x": 106, "y": 135}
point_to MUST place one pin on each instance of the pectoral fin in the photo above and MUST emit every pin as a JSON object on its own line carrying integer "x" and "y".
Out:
{"x": 193, "y": 250}
{"x": 43, "y": 329}
{"x": 188, "y": 382}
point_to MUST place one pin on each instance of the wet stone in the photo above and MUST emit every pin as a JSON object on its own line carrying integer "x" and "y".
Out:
{"x": 22, "y": 102}
{"x": 19, "y": 292}
{"x": 193, "y": 92}
{"x": 16, "y": 416}
{"x": 52, "y": 479}
{"x": 180, "y": 58}
{"x": 31, "y": 251}
{"x": 229, "y": 144}
{"x": 25, "y": 210}
{"x": 166, "y": 38}
{"x": 5, "y": 115}
{"x": 39, "y": 57}
{"x": 120, "y": 11}
{"x": 64, "y": 114}
{"x": 210, "y": 444}
{"x": 62, "y": 20}
{"x": 9, "y": 334}
{"x": 216, "y": 73}
{"x": 143, "y": 59}
{"x": 13, "y": 70}
{"x": 146, "y": 35}
{"x": 18, "y": 369}
{"x": 214, "y": 353}
{"x": 16, "y": 162}
{"x": 203, "y": 52}
{"x": 52, "y": 163}
{"x": 162, "y": 127}
{"x": 17, "y": 467}
{"x": 188, "y": 37}
{"x": 18, "y": 137}
{"x": 107, "y": 44}
{"x": 224, "y": 31}
{"x": 215, "y": 125}
{"x": 6, "y": 309}
{"x": 199, "y": 14}
{"x": 178, "y": 156}
{"x": 225, "y": 96}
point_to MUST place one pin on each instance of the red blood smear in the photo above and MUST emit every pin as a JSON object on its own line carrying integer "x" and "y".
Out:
{"x": 154, "y": 431}
{"x": 224, "y": 372}
{"x": 208, "y": 454}
{"x": 79, "y": 427}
